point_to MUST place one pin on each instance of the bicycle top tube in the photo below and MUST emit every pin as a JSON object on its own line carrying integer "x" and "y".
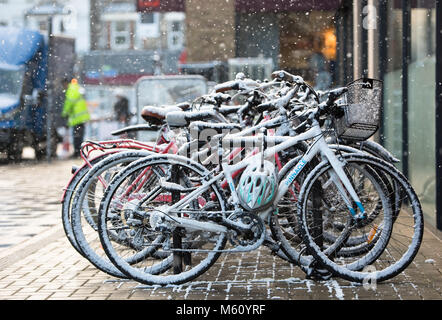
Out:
{"x": 319, "y": 145}
{"x": 227, "y": 169}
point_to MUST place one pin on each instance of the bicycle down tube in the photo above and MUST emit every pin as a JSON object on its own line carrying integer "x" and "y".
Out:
{"x": 318, "y": 146}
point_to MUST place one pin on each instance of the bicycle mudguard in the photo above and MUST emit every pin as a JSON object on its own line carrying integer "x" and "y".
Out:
{"x": 370, "y": 147}
{"x": 378, "y": 149}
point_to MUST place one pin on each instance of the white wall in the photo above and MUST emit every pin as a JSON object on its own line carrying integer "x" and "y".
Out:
{"x": 77, "y": 24}
{"x": 12, "y": 12}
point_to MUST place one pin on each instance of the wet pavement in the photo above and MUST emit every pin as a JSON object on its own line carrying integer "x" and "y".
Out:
{"x": 37, "y": 262}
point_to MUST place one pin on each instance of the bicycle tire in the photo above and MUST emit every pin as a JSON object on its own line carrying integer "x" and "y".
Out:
{"x": 387, "y": 250}
{"x": 66, "y": 203}
{"x": 141, "y": 273}
{"x": 90, "y": 251}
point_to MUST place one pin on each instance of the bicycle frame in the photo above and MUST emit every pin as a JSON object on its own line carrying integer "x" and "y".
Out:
{"x": 319, "y": 146}
{"x": 162, "y": 145}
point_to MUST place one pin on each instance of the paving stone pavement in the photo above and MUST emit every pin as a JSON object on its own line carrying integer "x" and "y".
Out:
{"x": 38, "y": 263}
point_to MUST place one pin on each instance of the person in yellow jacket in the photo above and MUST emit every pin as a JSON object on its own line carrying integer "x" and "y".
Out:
{"x": 76, "y": 111}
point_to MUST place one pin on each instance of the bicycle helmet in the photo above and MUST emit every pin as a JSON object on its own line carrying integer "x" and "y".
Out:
{"x": 257, "y": 186}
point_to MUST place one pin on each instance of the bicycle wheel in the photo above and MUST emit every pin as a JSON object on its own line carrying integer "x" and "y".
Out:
{"x": 67, "y": 201}
{"x": 193, "y": 251}
{"x": 86, "y": 203}
{"x": 357, "y": 245}
{"x": 284, "y": 224}
{"x": 396, "y": 237}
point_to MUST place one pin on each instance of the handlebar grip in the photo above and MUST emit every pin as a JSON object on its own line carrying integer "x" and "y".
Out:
{"x": 265, "y": 107}
{"x": 221, "y": 97}
{"x": 226, "y": 86}
{"x": 336, "y": 93}
{"x": 328, "y": 106}
{"x": 210, "y": 100}
{"x": 285, "y": 76}
{"x": 282, "y": 75}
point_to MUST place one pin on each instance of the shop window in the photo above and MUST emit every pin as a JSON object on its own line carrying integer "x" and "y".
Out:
{"x": 420, "y": 123}
{"x": 120, "y": 35}
{"x": 175, "y": 34}
{"x": 308, "y": 46}
{"x": 422, "y": 105}
{"x": 392, "y": 127}
{"x": 147, "y": 18}
{"x": 43, "y": 25}
{"x": 148, "y": 26}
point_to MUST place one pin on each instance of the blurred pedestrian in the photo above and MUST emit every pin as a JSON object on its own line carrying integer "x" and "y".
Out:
{"x": 76, "y": 111}
{"x": 319, "y": 66}
{"x": 121, "y": 108}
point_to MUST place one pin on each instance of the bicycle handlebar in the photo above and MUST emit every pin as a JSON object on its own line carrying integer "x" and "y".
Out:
{"x": 285, "y": 76}
{"x": 239, "y": 84}
{"x": 215, "y": 99}
{"x": 328, "y": 105}
{"x": 333, "y": 95}
{"x": 290, "y": 78}
{"x": 217, "y": 96}
{"x": 226, "y": 86}
{"x": 279, "y": 103}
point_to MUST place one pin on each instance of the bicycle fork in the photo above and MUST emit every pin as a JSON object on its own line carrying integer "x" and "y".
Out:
{"x": 341, "y": 181}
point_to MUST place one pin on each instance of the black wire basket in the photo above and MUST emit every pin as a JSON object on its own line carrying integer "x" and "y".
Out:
{"x": 362, "y": 106}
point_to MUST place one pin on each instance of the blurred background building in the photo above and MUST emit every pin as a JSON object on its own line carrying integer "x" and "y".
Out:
{"x": 399, "y": 42}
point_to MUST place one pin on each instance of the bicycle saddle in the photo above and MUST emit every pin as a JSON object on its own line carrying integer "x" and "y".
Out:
{"x": 156, "y": 115}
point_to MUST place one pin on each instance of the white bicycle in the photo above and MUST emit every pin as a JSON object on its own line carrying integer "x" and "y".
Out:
{"x": 186, "y": 214}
